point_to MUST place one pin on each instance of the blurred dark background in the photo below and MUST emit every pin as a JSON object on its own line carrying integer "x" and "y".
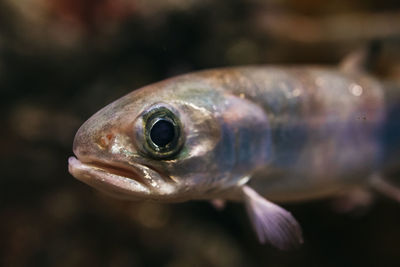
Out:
{"x": 61, "y": 61}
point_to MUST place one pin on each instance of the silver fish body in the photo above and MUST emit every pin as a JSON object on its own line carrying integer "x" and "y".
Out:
{"x": 284, "y": 133}
{"x": 325, "y": 130}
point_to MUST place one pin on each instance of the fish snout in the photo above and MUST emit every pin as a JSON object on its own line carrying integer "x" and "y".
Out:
{"x": 91, "y": 141}
{"x": 84, "y": 145}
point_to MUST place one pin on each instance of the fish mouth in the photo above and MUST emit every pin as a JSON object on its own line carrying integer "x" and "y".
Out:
{"x": 133, "y": 182}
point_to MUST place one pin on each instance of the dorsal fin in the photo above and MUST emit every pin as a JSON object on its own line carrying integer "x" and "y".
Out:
{"x": 363, "y": 59}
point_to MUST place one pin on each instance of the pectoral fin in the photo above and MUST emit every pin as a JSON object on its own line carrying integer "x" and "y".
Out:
{"x": 272, "y": 223}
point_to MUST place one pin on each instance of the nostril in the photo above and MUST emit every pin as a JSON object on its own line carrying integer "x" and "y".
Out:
{"x": 105, "y": 141}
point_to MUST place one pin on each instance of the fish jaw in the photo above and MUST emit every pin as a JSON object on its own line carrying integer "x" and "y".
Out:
{"x": 103, "y": 180}
{"x": 137, "y": 183}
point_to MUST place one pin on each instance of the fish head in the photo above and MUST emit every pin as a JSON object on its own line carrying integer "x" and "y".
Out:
{"x": 176, "y": 140}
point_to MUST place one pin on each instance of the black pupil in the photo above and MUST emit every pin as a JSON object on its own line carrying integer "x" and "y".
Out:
{"x": 162, "y": 133}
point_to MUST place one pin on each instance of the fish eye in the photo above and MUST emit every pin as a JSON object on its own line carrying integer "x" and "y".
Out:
{"x": 162, "y": 132}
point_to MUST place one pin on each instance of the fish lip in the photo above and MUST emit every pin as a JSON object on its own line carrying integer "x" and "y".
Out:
{"x": 120, "y": 171}
{"x": 117, "y": 181}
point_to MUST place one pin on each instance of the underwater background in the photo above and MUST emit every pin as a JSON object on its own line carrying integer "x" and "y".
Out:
{"x": 61, "y": 61}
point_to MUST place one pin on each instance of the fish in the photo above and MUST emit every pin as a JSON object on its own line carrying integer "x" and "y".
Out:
{"x": 260, "y": 135}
